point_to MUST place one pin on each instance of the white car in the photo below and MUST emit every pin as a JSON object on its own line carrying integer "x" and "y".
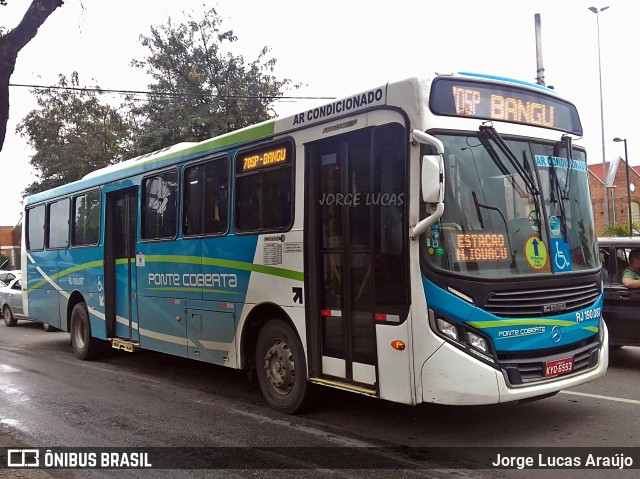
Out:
{"x": 11, "y": 302}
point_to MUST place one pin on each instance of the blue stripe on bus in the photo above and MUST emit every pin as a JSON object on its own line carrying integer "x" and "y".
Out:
{"x": 509, "y": 334}
{"x": 508, "y": 80}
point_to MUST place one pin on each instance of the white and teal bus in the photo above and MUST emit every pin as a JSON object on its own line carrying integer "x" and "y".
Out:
{"x": 421, "y": 241}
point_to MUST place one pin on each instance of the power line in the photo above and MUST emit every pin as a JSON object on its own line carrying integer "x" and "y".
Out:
{"x": 173, "y": 94}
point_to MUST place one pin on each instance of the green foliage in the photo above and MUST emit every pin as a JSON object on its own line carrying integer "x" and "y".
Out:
{"x": 618, "y": 230}
{"x": 73, "y": 133}
{"x": 200, "y": 90}
{"x": 203, "y": 89}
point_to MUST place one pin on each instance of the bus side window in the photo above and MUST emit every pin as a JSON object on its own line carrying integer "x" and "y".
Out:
{"x": 192, "y": 199}
{"x": 264, "y": 188}
{"x": 248, "y": 196}
{"x": 216, "y": 197}
{"x": 35, "y": 228}
{"x": 85, "y": 226}
{"x": 58, "y": 224}
{"x": 159, "y": 206}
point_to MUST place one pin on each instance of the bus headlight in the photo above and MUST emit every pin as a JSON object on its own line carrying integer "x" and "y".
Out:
{"x": 464, "y": 337}
{"x": 477, "y": 342}
{"x": 448, "y": 329}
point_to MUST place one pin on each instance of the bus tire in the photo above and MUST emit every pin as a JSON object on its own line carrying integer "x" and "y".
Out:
{"x": 84, "y": 346}
{"x": 9, "y": 318}
{"x": 281, "y": 367}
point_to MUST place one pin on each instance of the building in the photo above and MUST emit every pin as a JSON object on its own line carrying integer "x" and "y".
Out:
{"x": 10, "y": 237}
{"x": 616, "y": 184}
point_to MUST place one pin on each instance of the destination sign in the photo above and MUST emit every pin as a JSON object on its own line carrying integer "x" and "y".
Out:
{"x": 263, "y": 158}
{"x": 475, "y": 99}
{"x": 480, "y": 247}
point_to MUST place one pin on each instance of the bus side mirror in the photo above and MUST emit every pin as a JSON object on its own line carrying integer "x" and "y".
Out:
{"x": 432, "y": 182}
{"x": 432, "y": 179}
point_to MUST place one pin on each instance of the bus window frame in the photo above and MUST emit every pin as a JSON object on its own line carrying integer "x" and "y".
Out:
{"x": 73, "y": 222}
{"x": 198, "y": 162}
{"x": 47, "y": 234}
{"x": 43, "y": 225}
{"x": 290, "y": 164}
{"x": 141, "y": 210}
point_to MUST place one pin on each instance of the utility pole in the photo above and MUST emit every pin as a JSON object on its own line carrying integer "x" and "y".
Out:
{"x": 539, "y": 63}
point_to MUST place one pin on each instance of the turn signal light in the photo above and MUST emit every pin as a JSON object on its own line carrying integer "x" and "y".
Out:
{"x": 399, "y": 345}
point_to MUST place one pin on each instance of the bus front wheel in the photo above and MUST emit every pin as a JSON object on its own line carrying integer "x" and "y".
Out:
{"x": 281, "y": 367}
{"x": 84, "y": 346}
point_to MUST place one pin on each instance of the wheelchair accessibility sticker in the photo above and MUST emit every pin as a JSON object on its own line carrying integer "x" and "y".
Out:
{"x": 561, "y": 256}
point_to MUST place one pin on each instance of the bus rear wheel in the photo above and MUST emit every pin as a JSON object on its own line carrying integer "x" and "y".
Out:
{"x": 281, "y": 367}
{"x": 84, "y": 346}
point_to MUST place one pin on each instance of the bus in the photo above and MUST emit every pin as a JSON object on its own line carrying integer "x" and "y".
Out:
{"x": 426, "y": 240}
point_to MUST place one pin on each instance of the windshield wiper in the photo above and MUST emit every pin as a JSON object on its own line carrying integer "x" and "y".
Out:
{"x": 557, "y": 196}
{"x": 490, "y": 132}
{"x": 524, "y": 172}
{"x": 566, "y": 141}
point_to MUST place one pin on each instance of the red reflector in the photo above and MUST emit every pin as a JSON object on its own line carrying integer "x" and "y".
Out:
{"x": 392, "y": 318}
{"x": 325, "y": 312}
{"x": 399, "y": 345}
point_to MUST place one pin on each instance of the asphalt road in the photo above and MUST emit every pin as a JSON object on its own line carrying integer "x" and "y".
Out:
{"x": 147, "y": 399}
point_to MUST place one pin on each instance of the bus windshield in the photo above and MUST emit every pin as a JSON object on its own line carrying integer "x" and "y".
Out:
{"x": 520, "y": 210}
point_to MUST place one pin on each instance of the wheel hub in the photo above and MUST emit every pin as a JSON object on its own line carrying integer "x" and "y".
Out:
{"x": 279, "y": 367}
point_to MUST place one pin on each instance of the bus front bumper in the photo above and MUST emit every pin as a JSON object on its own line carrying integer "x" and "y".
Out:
{"x": 450, "y": 376}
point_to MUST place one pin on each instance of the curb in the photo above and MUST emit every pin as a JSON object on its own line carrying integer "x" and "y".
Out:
{"x": 9, "y": 438}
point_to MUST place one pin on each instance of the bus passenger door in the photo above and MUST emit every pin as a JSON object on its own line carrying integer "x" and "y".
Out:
{"x": 119, "y": 265}
{"x": 356, "y": 254}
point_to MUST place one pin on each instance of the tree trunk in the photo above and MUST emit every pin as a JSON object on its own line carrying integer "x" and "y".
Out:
{"x": 12, "y": 43}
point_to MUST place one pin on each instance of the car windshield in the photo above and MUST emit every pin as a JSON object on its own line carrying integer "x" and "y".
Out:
{"x": 523, "y": 209}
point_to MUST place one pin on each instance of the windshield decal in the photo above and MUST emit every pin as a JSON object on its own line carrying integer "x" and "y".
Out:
{"x": 559, "y": 162}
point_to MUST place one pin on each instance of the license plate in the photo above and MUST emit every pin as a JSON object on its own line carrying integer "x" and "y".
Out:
{"x": 557, "y": 368}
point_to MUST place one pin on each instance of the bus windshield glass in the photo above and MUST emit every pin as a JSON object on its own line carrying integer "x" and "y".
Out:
{"x": 520, "y": 212}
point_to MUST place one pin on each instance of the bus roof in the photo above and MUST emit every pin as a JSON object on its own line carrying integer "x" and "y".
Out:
{"x": 157, "y": 159}
{"x": 187, "y": 150}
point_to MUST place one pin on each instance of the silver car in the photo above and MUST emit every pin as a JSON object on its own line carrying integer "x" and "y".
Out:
{"x": 11, "y": 302}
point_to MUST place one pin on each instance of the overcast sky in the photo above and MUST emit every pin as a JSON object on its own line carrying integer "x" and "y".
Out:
{"x": 338, "y": 47}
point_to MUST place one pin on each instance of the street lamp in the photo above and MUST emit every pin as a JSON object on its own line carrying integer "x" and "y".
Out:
{"x": 626, "y": 161}
{"x": 604, "y": 161}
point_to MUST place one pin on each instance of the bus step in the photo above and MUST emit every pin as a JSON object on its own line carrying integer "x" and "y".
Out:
{"x": 125, "y": 345}
{"x": 346, "y": 386}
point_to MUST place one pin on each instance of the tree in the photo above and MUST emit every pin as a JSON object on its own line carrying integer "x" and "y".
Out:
{"x": 73, "y": 134}
{"x": 202, "y": 90}
{"x": 11, "y": 43}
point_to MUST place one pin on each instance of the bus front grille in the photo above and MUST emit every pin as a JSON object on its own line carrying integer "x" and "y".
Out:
{"x": 542, "y": 302}
{"x": 526, "y": 368}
